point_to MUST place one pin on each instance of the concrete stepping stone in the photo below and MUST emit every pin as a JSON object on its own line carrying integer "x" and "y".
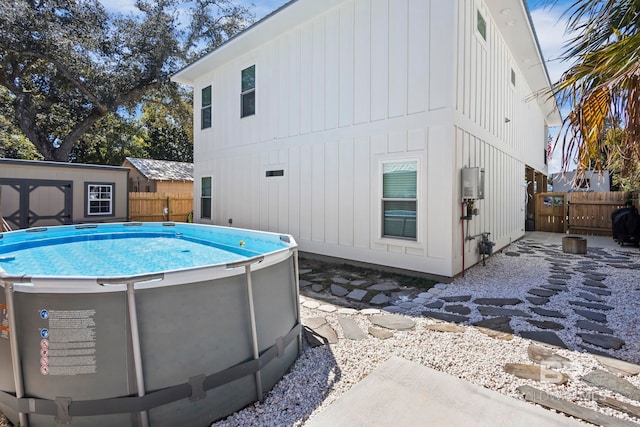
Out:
{"x": 318, "y": 332}
{"x": 358, "y": 283}
{"x": 618, "y": 405}
{"x": 589, "y": 297}
{"x": 501, "y": 324}
{"x": 304, "y": 271}
{"x": 594, "y": 351}
{"x": 593, "y": 305}
{"x": 536, "y": 373}
{"x": 339, "y": 280}
{"x": 338, "y": 290}
{"x": 544, "y": 337}
{"x": 596, "y": 277}
{"x": 594, "y": 327}
{"x": 327, "y": 308}
{"x": 304, "y": 283}
{"x": 537, "y": 300}
{"x": 547, "y": 313}
{"x": 357, "y": 294}
{"x": 539, "y": 292}
{"x": 441, "y": 286}
{"x": 546, "y": 357}
{"x": 592, "y": 315}
{"x": 384, "y": 287}
{"x": 380, "y": 299}
{"x": 499, "y": 311}
{"x": 317, "y": 288}
{"x": 447, "y": 317}
{"x": 458, "y": 298}
{"x": 559, "y": 279}
{"x": 310, "y": 304}
{"x": 546, "y": 324}
{"x": 618, "y": 366}
{"x": 497, "y": 301}
{"x": 605, "y": 341}
{"x": 597, "y": 291}
{"x": 446, "y": 327}
{"x": 546, "y": 400}
{"x": 392, "y": 309}
{"x": 609, "y": 381}
{"x": 351, "y": 329}
{"x": 458, "y": 309}
{"x": 594, "y": 283}
{"x": 369, "y": 311}
{"x": 345, "y": 310}
{"x": 560, "y": 288}
{"x": 435, "y": 304}
{"x": 504, "y": 336}
{"x": 382, "y": 334}
{"x": 392, "y": 321}
{"x": 512, "y": 254}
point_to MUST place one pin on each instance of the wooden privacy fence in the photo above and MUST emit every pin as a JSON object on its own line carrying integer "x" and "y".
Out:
{"x": 580, "y": 212}
{"x": 154, "y": 207}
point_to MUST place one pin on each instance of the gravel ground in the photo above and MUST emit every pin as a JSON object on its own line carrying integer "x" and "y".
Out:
{"x": 322, "y": 374}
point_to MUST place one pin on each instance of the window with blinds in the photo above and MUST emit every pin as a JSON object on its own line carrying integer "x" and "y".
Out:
{"x": 399, "y": 199}
{"x": 205, "y": 198}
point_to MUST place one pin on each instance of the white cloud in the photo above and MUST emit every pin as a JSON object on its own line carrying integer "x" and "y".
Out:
{"x": 551, "y": 27}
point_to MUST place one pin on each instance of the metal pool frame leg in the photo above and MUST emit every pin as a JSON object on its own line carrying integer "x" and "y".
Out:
{"x": 254, "y": 332}
{"x": 15, "y": 350}
{"x": 137, "y": 353}
{"x": 296, "y": 294}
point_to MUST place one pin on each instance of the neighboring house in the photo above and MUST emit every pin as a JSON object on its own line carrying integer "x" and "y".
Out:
{"x": 39, "y": 193}
{"x": 159, "y": 176}
{"x": 347, "y": 123}
{"x": 566, "y": 182}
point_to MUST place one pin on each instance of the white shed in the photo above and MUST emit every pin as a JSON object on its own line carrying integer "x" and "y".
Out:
{"x": 346, "y": 123}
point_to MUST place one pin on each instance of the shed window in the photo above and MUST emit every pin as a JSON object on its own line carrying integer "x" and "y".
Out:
{"x": 248, "y": 95}
{"x": 99, "y": 199}
{"x": 481, "y": 25}
{"x": 206, "y": 108}
{"x": 399, "y": 199}
{"x": 205, "y": 198}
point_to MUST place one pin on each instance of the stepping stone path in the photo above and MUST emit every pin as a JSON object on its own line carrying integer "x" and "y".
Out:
{"x": 544, "y": 337}
{"x": 594, "y": 283}
{"x": 339, "y": 291}
{"x": 618, "y": 405}
{"x": 435, "y": 304}
{"x": 501, "y": 324}
{"x": 598, "y": 291}
{"x": 380, "y": 299}
{"x": 537, "y": 300}
{"x": 594, "y": 327}
{"x": 382, "y": 334}
{"x": 445, "y": 327}
{"x": 497, "y": 301}
{"x": 458, "y": 309}
{"x": 593, "y": 305}
{"x": 351, "y": 329}
{"x": 543, "y": 398}
{"x": 546, "y": 357}
{"x": 318, "y": 332}
{"x": 592, "y": 315}
{"x": 542, "y": 292}
{"x": 459, "y": 298}
{"x": 357, "y": 294}
{"x": 589, "y": 297}
{"x": 392, "y": 321}
{"x": 560, "y": 288}
{"x": 547, "y": 313}
{"x": 498, "y": 311}
{"x": 383, "y": 287}
{"x": 618, "y": 366}
{"x": 604, "y": 341}
{"x": 455, "y": 318}
{"x": 536, "y": 373}
{"x": 609, "y": 381}
{"x": 546, "y": 324}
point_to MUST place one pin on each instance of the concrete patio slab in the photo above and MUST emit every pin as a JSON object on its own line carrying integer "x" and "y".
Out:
{"x": 404, "y": 393}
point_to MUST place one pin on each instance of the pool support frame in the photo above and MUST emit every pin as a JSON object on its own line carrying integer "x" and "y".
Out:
{"x": 64, "y": 408}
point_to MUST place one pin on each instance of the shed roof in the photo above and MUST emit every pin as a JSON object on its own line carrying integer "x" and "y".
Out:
{"x": 163, "y": 170}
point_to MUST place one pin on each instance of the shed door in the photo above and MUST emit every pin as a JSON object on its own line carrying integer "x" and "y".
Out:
{"x": 35, "y": 202}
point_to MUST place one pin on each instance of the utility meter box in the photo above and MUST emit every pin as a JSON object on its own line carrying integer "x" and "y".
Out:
{"x": 472, "y": 184}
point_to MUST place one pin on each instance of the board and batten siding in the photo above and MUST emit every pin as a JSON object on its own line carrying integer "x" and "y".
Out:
{"x": 499, "y": 126}
{"x": 365, "y": 82}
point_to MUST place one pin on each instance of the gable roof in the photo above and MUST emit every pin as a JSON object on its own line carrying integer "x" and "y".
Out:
{"x": 163, "y": 170}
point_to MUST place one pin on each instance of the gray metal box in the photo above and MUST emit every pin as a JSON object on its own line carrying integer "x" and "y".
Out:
{"x": 472, "y": 184}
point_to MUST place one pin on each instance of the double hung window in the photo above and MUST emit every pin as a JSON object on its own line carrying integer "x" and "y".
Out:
{"x": 399, "y": 199}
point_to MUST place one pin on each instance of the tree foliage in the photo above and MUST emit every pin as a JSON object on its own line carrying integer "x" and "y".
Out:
{"x": 603, "y": 84}
{"x": 68, "y": 63}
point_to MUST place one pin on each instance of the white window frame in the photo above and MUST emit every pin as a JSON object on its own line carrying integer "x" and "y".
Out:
{"x": 249, "y": 91}
{"x": 206, "y": 107}
{"x": 415, "y": 200}
{"x": 484, "y": 37}
{"x": 206, "y": 198}
{"x": 95, "y": 194}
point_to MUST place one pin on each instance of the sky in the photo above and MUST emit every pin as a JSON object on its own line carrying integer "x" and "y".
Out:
{"x": 546, "y": 16}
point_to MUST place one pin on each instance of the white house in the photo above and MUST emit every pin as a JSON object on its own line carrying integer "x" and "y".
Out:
{"x": 347, "y": 123}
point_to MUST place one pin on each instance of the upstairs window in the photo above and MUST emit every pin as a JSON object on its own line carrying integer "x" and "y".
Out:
{"x": 513, "y": 77}
{"x": 205, "y": 198}
{"x": 206, "y": 108}
{"x": 399, "y": 199}
{"x": 481, "y": 25}
{"x": 248, "y": 95}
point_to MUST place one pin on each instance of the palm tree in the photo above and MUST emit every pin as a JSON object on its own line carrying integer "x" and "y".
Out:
{"x": 602, "y": 87}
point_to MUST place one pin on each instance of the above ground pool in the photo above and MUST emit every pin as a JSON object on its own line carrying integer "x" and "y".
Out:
{"x": 143, "y": 324}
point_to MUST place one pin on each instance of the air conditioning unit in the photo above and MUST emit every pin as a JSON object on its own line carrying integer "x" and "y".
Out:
{"x": 472, "y": 184}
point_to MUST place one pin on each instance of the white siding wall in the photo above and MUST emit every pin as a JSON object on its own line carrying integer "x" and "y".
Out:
{"x": 365, "y": 82}
{"x": 484, "y": 98}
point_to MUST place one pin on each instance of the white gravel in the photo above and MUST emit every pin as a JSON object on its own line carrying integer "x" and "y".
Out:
{"x": 321, "y": 375}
